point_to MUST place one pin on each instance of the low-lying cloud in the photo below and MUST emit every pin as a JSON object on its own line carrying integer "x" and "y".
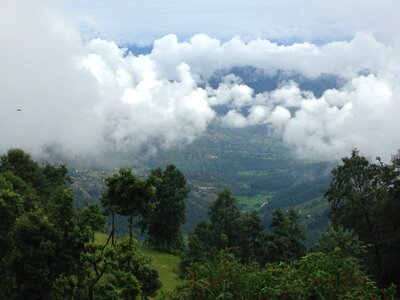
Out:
{"x": 89, "y": 97}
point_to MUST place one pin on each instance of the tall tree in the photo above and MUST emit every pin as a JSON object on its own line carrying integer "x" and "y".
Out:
{"x": 225, "y": 218}
{"x": 126, "y": 194}
{"x": 34, "y": 261}
{"x": 286, "y": 241}
{"x": 109, "y": 200}
{"x": 168, "y": 207}
{"x": 229, "y": 229}
{"x": 364, "y": 197}
{"x": 251, "y": 232}
{"x": 38, "y": 197}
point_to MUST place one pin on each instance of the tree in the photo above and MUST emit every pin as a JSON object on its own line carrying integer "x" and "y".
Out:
{"x": 200, "y": 248}
{"x": 344, "y": 239}
{"x": 110, "y": 200}
{"x": 286, "y": 241}
{"x": 96, "y": 261}
{"x": 126, "y": 194}
{"x": 34, "y": 258}
{"x": 11, "y": 207}
{"x": 118, "y": 271}
{"x": 92, "y": 217}
{"x": 48, "y": 250}
{"x": 364, "y": 197}
{"x": 43, "y": 242}
{"x": 225, "y": 217}
{"x": 21, "y": 164}
{"x": 167, "y": 212}
{"x": 132, "y": 262}
{"x": 251, "y": 232}
{"x": 239, "y": 233}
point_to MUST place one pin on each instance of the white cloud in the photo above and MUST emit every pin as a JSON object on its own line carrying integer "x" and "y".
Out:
{"x": 87, "y": 97}
{"x": 234, "y": 119}
{"x": 205, "y": 55}
{"x": 231, "y": 92}
{"x": 364, "y": 114}
{"x": 92, "y": 96}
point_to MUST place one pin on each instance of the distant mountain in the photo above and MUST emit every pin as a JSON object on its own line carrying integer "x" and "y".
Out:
{"x": 138, "y": 50}
{"x": 260, "y": 81}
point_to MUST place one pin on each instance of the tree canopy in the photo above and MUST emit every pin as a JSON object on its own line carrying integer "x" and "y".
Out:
{"x": 365, "y": 198}
{"x": 48, "y": 248}
{"x": 163, "y": 221}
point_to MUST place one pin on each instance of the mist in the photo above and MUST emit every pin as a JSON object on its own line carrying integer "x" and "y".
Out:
{"x": 63, "y": 94}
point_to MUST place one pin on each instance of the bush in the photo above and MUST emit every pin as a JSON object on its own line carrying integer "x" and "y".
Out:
{"x": 315, "y": 276}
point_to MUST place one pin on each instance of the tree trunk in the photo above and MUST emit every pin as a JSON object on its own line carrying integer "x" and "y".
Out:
{"x": 91, "y": 294}
{"x": 80, "y": 286}
{"x": 112, "y": 228}
{"x": 130, "y": 229}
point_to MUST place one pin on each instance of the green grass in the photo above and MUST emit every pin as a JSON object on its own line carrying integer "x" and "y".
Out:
{"x": 165, "y": 263}
{"x": 100, "y": 238}
{"x": 253, "y": 202}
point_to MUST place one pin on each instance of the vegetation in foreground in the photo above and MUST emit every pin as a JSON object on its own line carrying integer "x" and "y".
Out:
{"x": 49, "y": 248}
{"x": 166, "y": 264}
{"x": 315, "y": 276}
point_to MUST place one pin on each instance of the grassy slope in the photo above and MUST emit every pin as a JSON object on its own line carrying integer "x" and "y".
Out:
{"x": 253, "y": 202}
{"x": 166, "y": 264}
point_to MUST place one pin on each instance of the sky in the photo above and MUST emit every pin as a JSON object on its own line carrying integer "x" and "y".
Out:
{"x": 141, "y": 22}
{"x": 68, "y": 84}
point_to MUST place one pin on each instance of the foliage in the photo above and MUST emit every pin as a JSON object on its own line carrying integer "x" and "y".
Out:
{"x": 345, "y": 239}
{"x": 286, "y": 241}
{"x": 242, "y": 234}
{"x": 364, "y": 197}
{"x": 119, "y": 271}
{"x": 92, "y": 218}
{"x": 223, "y": 232}
{"x": 315, "y": 276}
{"x": 42, "y": 243}
{"x": 34, "y": 259}
{"x": 222, "y": 277}
{"x": 47, "y": 248}
{"x": 163, "y": 221}
{"x": 251, "y": 235}
{"x": 126, "y": 194}
{"x": 243, "y": 160}
{"x": 224, "y": 216}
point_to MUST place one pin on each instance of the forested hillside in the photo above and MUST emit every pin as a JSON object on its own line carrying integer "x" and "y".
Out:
{"x": 50, "y": 249}
{"x": 259, "y": 170}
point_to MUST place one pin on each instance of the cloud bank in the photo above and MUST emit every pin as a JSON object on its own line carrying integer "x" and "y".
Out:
{"x": 90, "y": 97}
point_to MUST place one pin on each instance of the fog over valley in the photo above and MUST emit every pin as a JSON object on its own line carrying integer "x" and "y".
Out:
{"x": 64, "y": 92}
